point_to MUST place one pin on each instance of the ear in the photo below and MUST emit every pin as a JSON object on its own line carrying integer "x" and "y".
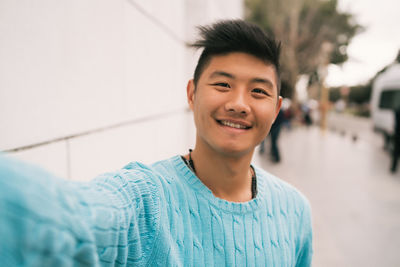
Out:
{"x": 190, "y": 93}
{"x": 278, "y": 106}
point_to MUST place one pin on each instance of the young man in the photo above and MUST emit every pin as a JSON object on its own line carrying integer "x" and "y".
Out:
{"x": 207, "y": 208}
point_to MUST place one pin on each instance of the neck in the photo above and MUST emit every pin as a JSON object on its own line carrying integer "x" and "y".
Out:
{"x": 227, "y": 177}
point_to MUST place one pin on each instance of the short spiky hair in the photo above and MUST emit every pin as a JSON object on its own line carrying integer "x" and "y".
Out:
{"x": 229, "y": 36}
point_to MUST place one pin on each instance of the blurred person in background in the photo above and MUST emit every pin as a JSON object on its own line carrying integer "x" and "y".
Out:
{"x": 306, "y": 115}
{"x": 396, "y": 147}
{"x": 288, "y": 114}
{"x": 210, "y": 207}
{"x": 274, "y": 133}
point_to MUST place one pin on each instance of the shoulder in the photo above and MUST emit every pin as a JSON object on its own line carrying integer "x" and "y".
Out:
{"x": 142, "y": 179}
{"x": 135, "y": 185}
{"x": 154, "y": 174}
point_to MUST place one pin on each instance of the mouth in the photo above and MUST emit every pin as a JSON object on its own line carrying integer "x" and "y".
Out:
{"x": 236, "y": 125}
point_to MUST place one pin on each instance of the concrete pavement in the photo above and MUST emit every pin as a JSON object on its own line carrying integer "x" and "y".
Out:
{"x": 355, "y": 199}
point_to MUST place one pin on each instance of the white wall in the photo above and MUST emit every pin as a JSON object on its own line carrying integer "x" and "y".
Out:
{"x": 87, "y": 86}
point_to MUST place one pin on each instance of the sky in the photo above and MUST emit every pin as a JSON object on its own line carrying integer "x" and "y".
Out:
{"x": 374, "y": 48}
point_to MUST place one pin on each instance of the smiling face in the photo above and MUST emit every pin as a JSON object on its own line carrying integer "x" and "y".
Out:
{"x": 234, "y": 103}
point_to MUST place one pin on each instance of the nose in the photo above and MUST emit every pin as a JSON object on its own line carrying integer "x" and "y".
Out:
{"x": 237, "y": 103}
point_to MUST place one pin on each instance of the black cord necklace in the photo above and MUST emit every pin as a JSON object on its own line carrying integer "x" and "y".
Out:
{"x": 190, "y": 164}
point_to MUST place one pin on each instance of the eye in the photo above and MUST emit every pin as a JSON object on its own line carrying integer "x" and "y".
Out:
{"x": 260, "y": 91}
{"x": 222, "y": 85}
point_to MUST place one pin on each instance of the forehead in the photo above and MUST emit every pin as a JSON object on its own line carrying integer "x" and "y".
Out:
{"x": 242, "y": 66}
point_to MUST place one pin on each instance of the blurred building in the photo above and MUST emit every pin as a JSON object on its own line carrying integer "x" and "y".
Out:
{"x": 87, "y": 86}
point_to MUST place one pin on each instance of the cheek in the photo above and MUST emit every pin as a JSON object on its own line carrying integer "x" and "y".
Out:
{"x": 202, "y": 109}
{"x": 267, "y": 115}
{"x": 207, "y": 104}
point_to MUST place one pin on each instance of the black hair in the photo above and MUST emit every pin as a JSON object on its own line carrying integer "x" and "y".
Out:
{"x": 229, "y": 36}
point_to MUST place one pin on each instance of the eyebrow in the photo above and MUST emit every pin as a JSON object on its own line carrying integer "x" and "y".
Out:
{"x": 264, "y": 81}
{"x": 231, "y": 76}
{"x": 222, "y": 73}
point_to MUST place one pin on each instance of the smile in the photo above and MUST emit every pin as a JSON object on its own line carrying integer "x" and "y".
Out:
{"x": 233, "y": 124}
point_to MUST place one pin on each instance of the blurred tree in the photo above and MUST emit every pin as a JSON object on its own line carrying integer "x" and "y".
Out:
{"x": 303, "y": 26}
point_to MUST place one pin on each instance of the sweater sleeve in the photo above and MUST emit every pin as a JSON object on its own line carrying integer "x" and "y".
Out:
{"x": 304, "y": 247}
{"x": 45, "y": 221}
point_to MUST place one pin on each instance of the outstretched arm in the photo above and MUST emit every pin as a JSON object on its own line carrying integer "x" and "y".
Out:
{"x": 46, "y": 221}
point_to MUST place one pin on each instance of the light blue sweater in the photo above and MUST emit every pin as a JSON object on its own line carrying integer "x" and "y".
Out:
{"x": 157, "y": 215}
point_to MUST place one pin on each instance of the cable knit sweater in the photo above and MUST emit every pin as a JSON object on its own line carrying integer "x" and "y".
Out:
{"x": 157, "y": 215}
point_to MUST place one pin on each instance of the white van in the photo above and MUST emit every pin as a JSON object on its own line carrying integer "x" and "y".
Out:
{"x": 385, "y": 99}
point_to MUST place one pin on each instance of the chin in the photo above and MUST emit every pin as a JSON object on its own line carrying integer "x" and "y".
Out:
{"x": 235, "y": 151}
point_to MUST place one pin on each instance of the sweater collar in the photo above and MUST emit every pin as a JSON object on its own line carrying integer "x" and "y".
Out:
{"x": 195, "y": 183}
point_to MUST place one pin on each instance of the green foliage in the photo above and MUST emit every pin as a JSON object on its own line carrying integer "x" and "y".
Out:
{"x": 357, "y": 100}
{"x": 360, "y": 94}
{"x": 334, "y": 94}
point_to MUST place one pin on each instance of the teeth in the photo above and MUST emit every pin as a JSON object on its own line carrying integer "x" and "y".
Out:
{"x": 233, "y": 125}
